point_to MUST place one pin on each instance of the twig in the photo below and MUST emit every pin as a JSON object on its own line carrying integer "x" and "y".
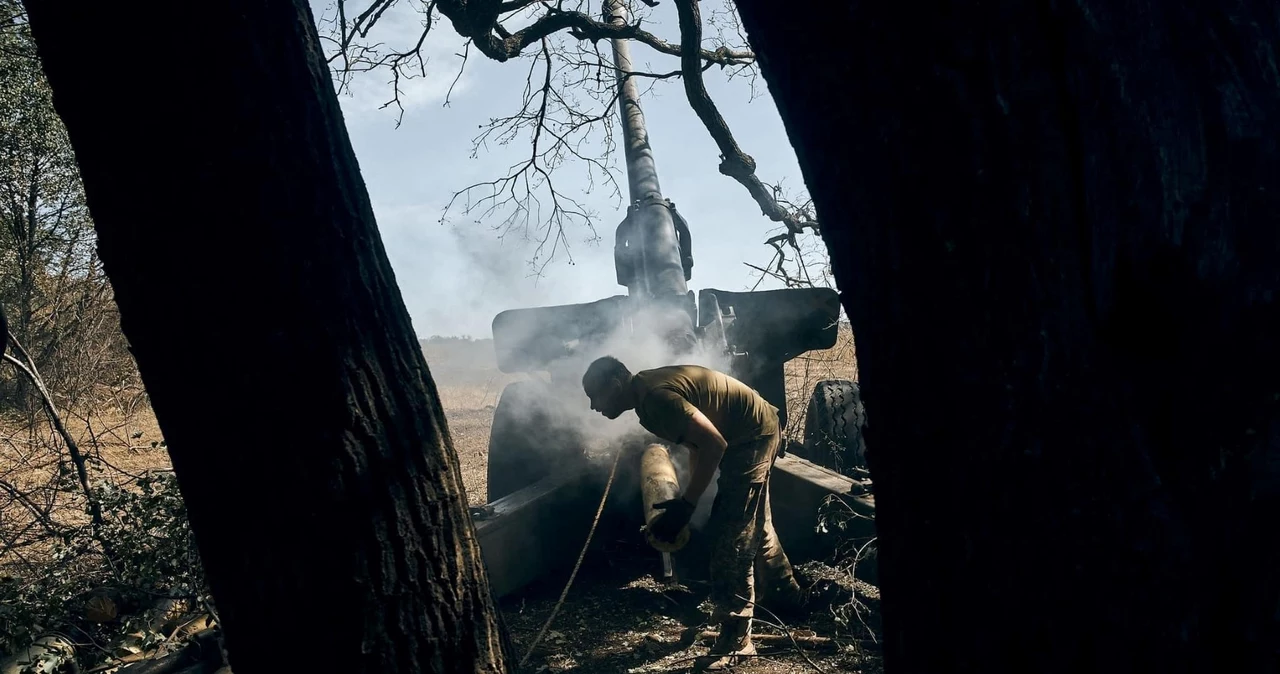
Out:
{"x": 770, "y": 272}
{"x": 550, "y": 144}
{"x": 664, "y": 596}
{"x": 466, "y": 52}
{"x": 21, "y": 497}
{"x": 92, "y": 642}
{"x": 853, "y": 567}
{"x": 706, "y": 635}
{"x": 360, "y": 58}
{"x": 783, "y": 626}
{"x": 692, "y": 658}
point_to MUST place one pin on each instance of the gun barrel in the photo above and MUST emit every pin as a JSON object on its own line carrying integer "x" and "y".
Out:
{"x": 651, "y": 232}
{"x": 642, "y": 172}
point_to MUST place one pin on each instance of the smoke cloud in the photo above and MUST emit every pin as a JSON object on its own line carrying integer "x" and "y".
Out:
{"x": 637, "y": 339}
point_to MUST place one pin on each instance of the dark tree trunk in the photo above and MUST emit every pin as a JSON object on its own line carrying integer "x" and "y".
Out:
{"x": 303, "y": 423}
{"x": 1056, "y": 227}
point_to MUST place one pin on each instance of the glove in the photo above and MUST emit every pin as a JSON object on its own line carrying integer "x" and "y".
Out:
{"x": 675, "y": 516}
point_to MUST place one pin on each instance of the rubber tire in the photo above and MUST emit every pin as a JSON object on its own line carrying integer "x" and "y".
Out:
{"x": 833, "y": 426}
{"x": 527, "y": 438}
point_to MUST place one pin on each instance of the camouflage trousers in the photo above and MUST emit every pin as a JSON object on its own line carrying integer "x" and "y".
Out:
{"x": 746, "y": 556}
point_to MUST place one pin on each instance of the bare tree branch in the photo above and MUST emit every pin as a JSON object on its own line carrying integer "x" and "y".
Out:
{"x": 41, "y": 514}
{"x": 466, "y": 52}
{"x": 28, "y": 369}
{"x": 477, "y": 21}
{"x": 556, "y": 123}
{"x": 733, "y": 161}
{"x": 552, "y": 142}
{"x": 358, "y": 58}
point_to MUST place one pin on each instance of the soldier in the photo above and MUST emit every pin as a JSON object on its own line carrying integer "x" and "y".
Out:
{"x": 725, "y": 424}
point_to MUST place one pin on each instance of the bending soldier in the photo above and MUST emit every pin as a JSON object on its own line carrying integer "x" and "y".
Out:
{"x": 725, "y": 424}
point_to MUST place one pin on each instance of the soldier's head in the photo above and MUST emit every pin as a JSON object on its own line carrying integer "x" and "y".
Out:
{"x": 607, "y": 383}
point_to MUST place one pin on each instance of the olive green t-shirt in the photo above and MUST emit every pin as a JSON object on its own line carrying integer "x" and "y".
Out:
{"x": 667, "y": 396}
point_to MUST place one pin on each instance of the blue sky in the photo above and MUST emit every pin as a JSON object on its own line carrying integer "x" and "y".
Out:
{"x": 457, "y": 275}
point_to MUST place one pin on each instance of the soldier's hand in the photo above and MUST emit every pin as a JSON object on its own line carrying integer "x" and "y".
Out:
{"x": 675, "y": 516}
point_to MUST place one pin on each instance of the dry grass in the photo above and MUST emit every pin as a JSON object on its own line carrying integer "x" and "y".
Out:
{"x": 119, "y": 437}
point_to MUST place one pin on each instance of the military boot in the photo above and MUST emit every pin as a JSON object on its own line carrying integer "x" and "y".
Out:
{"x": 776, "y": 584}
{"x": 731, "y": 646}
{"x": 779, "y": 591}
{"x": 788, "y": 602}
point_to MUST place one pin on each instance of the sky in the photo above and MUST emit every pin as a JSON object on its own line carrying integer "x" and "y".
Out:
{"x": 457, "y": 275}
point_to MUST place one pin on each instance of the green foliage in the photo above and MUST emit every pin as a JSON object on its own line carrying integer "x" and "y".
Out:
{"x": 146, "y": 526}
{"x": 153, "y": 559}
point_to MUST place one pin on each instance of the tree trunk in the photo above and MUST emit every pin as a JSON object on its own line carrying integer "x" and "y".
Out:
{"x": 1057, "y": 231}
{"x": 303, "y": 424}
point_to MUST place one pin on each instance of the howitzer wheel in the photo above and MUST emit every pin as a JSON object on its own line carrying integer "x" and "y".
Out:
{"x": 833, "y": 427}
{"x": 529, "y": 437}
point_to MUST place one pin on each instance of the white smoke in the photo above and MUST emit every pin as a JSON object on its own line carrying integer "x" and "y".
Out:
{"x": 640, "y": 344}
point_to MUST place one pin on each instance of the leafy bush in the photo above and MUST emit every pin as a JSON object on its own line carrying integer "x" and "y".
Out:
{"x": 97, "y": 584}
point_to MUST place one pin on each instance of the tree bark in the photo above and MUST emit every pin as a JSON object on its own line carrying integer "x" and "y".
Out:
{"x": 1055, "y": 230}
{"x": 303, "y": 424}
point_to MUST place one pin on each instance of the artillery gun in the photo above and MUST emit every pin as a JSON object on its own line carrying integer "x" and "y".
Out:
{"x": 541, "y": 473}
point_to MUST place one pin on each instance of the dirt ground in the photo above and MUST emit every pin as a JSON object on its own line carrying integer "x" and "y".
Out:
{"x": 618, "y": 617}
{"x": 469, "y": 412}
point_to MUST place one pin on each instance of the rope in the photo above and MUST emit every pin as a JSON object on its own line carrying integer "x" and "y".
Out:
{"x": 565, "y": 592}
